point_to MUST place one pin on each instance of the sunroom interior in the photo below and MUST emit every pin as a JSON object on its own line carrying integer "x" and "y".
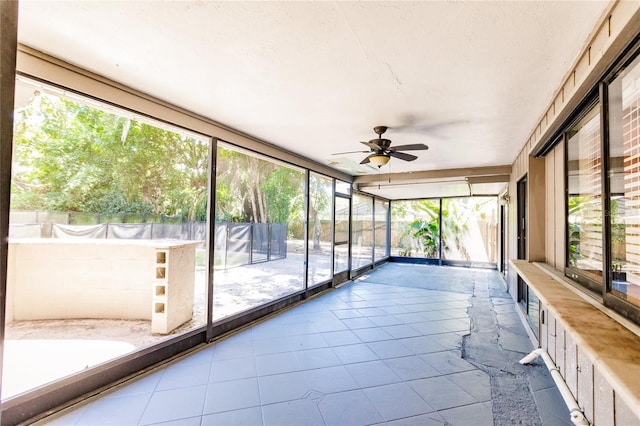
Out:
{"x": 172, "y": 172}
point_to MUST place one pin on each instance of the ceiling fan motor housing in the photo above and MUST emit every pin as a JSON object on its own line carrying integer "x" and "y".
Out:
{"x": 383, "y": 144}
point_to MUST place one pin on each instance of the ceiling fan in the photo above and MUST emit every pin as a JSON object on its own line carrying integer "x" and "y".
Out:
{"x": 381, "y": 151}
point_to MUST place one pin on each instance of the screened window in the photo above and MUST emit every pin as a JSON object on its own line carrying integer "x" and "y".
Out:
{"x": 415, "y": 228}
{"x": 584, "y": 202}
{"x": 469, "y": 229}
{"x": 624, "y": 182}
{"x": 381, "y": 227}
{"x": 108, "y": 235}
{"x": 320, "y": 209}
{"x": 361, "y": 231}
{"x": 259, "y": 247}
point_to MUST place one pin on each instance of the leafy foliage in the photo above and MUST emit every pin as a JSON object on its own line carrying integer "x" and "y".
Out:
{"x": 76, "y": 158}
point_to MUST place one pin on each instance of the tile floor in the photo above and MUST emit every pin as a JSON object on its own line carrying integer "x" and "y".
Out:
{"x": 386, "y": 349}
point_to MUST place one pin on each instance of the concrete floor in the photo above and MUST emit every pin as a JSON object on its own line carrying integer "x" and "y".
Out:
{"x": 404, "y": 345}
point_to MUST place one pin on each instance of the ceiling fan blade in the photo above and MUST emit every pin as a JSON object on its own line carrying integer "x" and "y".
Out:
{"x": 350, "y": 152}
{"x": 373, "y": 146}
{"x": 366, "y": 160}
{"x": 412, "y": 147}
{"x": 401, "y": 155}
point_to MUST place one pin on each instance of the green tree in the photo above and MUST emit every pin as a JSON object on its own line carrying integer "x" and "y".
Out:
{"x": 77, "y": 158}
{"x": 251, "y": 189}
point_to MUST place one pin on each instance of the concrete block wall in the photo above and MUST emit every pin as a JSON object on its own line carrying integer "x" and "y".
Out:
{"x": 173, "y": 287}
{"x": 102, "y": 279}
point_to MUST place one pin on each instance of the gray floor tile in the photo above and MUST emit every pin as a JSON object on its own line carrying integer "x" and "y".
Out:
{"x": 347, "y": 313}
{"x": 371, "y": 312}
{"x": 306, "y": 366}
{"x": 372, "y": 373}
{"x": 245, "y": 417}
{"x": 422, "y": 345}
{"x": 429, "y": 327}
{"x": 395, "y": 310}
{"x": 372, "y": 334}
{"x": 350, "y": 354}
{"x": 317, "y": 358}
{"x": 475, "y": 382}
{"x": 389, "y": 349}
{"x": 233, "y": 369}
{"x": 552, "y": 410}
{"x": 385, "y": 320}
{"x": 174, "y": 404}
{"x": 233, "y": 347}
{"x": 302, "y": 328}
{"x": 431, "y": 419}
{"x": 518, "y": 342}
{"x": 203, "y": 355}
{"x": 362, "y": 322}
{"x": 360, "y": 304}
{"x": 271, "y": 345}
{"x": 268, "y": 329}
{"x": 189, "y": 421}
{"x": 441, "y": 393}
{"x": 301, "y": 412}
{"x": 122, "y": 410}
{"x": 397, "y": 401}
{"x": 183, "y": 375}
{"x": 449, "y": 341}
{"x": 401, "y": 331}
{"x": 330, "y": 380}
{"x": 307, "y": 341}
{"x": 351, "y": 408}
{"x": 455, "y": 324}
{"x": 337, "y": 338}
{"x": 447, "y": 362}
{"x": 410, "y": 318}
{"x": 283, "y": 387}
{"x": 475, "y": 414}
{"x": 284, "y": 362}
{"x": 411, "y": 368}
{"x": 233, "y": 395}
{"x": 144, "y": 384}
{"x": 333, "y": 325}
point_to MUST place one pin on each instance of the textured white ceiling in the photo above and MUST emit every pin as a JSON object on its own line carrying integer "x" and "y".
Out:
{"x": 469, "y": 79}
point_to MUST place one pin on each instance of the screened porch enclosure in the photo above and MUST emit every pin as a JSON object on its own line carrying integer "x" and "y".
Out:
{"x": 102, "y": 199}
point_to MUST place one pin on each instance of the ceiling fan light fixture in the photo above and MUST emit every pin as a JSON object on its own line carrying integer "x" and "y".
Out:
{"x": 379, "y": 160}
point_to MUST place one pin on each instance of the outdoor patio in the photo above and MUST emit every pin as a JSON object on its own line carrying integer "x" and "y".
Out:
{"x": 406, "y": 344}
{"x": 37, "y": 352}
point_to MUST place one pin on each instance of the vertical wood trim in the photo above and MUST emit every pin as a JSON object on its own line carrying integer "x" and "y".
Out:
{"x": 549, "y": 210}
{"x": 559, "y": 207}
{"x": 8, "y": 52}
{"x": 536, "y": 233}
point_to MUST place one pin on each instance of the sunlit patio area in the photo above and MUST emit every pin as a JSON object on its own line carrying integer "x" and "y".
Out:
{"x": 405, "y": 344}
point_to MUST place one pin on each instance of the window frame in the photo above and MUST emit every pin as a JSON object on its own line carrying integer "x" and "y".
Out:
{"x": 593, "y": 101}
{"x": 609, "y": 298}
{"x": 600, "y": 290}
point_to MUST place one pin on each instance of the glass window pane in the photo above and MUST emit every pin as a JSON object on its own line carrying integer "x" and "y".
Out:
{"x": 361, "y": 231}
{"x": 341, "y": 248}
{"x": 108, "y": 231}
{"x": 415, "y": 228}
{"x": 320, "y": 208}
{"x": 258, "y": 253}
{"x": 584, "y": 170}
{"x": 381, "y": 226}
{"x": 469, "y": 229}
{"x": 343, "y": 187}
{"x": 624, "y": 181}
